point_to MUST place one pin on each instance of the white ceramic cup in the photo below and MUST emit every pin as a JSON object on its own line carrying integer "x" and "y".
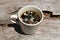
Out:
{"x": 28, "y": 28}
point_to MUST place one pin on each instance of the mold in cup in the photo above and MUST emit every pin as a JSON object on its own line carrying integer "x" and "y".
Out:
{"x": 30, "y": 17}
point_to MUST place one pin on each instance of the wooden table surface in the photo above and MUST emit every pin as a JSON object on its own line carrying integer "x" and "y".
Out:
{"x": 49, "y": 28}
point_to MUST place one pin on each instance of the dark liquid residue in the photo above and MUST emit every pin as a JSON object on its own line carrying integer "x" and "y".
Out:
{"x": 30, "y": 17}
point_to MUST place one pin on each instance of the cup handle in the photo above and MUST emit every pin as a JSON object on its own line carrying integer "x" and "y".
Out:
{"x": 13, "y": 18}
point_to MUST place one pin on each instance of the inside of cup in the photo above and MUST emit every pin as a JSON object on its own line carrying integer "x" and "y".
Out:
{"x": 36, "y": 10}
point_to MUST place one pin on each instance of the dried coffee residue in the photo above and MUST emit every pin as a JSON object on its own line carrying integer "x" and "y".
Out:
{"x": 30, "y": 17}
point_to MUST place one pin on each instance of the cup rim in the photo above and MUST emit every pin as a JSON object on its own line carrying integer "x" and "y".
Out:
{"x": 30, "y": 24}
